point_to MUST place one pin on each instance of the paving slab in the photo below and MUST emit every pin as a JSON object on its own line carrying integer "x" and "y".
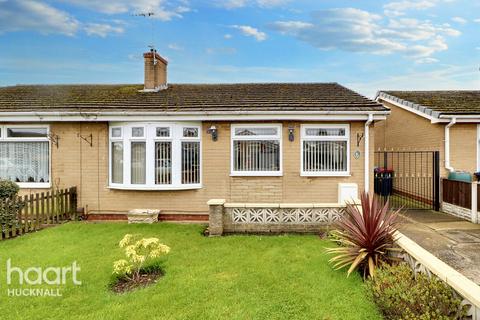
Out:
{"x": 454, "y": 241}
{"x": 453, "y": 225}
{"x": 428, "y": 216}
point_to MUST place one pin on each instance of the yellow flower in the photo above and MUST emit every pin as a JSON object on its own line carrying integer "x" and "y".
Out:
{"x": 122, "y": 267}
{"x": 125, "y": 241}
{"x": 138, "y": 253}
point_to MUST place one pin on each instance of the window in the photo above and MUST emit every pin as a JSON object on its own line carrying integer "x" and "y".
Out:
{"x": 325, "y": 150}
{"x": 155, "y": 156}
{"x": 256, "y": 150}
{"x": 25, "y": 155}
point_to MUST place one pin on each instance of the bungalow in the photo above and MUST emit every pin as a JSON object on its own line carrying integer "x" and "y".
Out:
{"x": 173, "y": 147}
{"x": 443, "y": 121}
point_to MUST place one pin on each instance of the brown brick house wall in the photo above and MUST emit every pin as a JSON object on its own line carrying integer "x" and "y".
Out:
{"x": 76, "y": 163}
{"x": 404, "y": 130}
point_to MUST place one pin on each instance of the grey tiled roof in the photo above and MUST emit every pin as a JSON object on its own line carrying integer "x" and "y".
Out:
{"x": 436, "y": 103}
{"x": 186, "y": 98}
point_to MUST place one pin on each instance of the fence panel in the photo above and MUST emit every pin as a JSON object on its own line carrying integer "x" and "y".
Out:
{"x": 458, "y": 193}
{"x": 38, "y": 210}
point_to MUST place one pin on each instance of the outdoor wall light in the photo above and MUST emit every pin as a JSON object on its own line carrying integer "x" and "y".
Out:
{"x": 291, "y": 133}
{"x": 214, "y": 132}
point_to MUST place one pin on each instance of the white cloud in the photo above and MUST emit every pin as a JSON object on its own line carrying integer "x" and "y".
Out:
{"x": 174, "y": 46}
{"x": 227, "y": 36}
{"x": 272, "y": 3}
{"x": 251, "y": 32}
{"x": 355, "y": 30}
{"x": 459, "y": 20}
{"x": 23, "y": 15}
{"x": 234, "y": 4}
{"x": 426, "y": 60}
{"x": 446, "y": 77}
{"x": 477, "y": 20}
{"x": 399, "y": 8}
{"x": 102, "y": 29}
{"x": 162, "y": 9}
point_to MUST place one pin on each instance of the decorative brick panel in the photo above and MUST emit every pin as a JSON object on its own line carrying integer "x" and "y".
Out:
{"x": 271, "y": 218}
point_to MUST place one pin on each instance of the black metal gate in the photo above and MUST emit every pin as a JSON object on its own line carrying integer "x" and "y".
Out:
{"x": 408, "y": 179}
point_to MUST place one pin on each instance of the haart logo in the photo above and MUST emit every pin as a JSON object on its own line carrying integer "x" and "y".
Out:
{"x": 33, "y": 276}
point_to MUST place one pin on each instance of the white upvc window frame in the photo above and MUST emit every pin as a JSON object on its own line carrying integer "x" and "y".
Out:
{"x": 175, "y": 137}
{"x": 478, "y": 147}
{"x": 5, "y": 138}
{"x": 304, "y": 137}
{"x": 234, "y": 137}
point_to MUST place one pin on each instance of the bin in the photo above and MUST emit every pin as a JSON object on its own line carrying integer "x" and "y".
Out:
{"x": 383, "y": 182}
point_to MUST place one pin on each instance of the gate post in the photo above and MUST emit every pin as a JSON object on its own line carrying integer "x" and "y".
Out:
{"x": 474, "y": 217}
{"x": 436, "y": 180}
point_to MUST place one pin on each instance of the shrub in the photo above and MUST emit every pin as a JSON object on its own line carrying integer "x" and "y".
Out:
{"x": 401, "y": 296}
{"x": 138, "y": 253}
{"x": 9, "y": 204}
{"x": 8, "y": 189}
{"x": 366, "y": 238}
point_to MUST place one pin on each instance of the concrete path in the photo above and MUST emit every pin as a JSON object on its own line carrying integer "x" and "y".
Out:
{"x": 454, "y": 241}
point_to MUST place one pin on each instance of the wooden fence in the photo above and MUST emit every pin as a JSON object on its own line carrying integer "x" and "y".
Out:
{"x": 40, "y": 210}
{"x": 458, "y": 193}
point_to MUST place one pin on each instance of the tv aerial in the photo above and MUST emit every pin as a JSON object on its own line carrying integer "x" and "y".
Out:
{"x": 148, "y": 15}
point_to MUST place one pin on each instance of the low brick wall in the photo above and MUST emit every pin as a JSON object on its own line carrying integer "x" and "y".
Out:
{"x": 271, "y": 217}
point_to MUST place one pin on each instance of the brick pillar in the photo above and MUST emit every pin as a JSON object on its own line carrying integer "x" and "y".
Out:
{"x": 215, "y": 217}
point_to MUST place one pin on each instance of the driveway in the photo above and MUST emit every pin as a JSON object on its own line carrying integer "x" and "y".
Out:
{"x": 454, "y": 241}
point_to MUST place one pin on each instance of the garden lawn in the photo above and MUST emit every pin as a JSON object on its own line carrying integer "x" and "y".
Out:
{"x": 233, "y": 277}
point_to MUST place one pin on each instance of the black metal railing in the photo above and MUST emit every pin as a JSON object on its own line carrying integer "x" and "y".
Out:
{"x": 408, "y": 179}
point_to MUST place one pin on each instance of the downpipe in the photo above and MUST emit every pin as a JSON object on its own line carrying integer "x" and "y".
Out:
{"x": 367, "y": 152}
{"x": 447, "y": 144}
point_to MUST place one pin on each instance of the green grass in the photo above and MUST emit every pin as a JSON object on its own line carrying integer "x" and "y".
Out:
{"x": 234, "y": 277}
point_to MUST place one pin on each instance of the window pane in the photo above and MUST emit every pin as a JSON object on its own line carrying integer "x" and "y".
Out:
{"x": 256, "y": 155}
{"x": 190, "y": 162}
{"x": 116, "y": 132}
{"x": 26, "y": 132}
{"x": 137, "y": 132}
{"x": 117, "y": 162}
{"x": 322, "y": 132}
{"x": 138, "y": 162}
{"x": 256, "y": 131}
{"x": 163, "y": 132}
{"x": 190, "y": 132}
{"x": 325, "y": 156}
{"x": 163, "y": 162}
{"x": 24, "y": 161}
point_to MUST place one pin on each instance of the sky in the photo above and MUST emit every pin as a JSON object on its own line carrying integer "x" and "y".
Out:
{"x": 365, "y": 45}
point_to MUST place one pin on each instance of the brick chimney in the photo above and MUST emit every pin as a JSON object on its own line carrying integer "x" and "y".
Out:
{"x": 155, "y": 71}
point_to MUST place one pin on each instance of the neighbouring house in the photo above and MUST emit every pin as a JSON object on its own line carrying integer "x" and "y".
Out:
{"x": 443, "y": 121}
{"x": 174, "y": 147}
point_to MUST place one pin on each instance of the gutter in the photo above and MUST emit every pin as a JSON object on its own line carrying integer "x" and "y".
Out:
{"x": 190, "y": 116}
{"x": 447, "y": 145}
{"x": 367, "y": 152}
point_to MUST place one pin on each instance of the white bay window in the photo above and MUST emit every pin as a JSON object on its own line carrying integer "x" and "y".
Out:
{"x": 325, "y": 150}
{"x": 256, "y": 150}
{"x": 155, "y": 156}
{"x": 25, "y": 155}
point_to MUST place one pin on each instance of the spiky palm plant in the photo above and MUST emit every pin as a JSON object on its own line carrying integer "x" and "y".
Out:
{"x": 364, "y": 237}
